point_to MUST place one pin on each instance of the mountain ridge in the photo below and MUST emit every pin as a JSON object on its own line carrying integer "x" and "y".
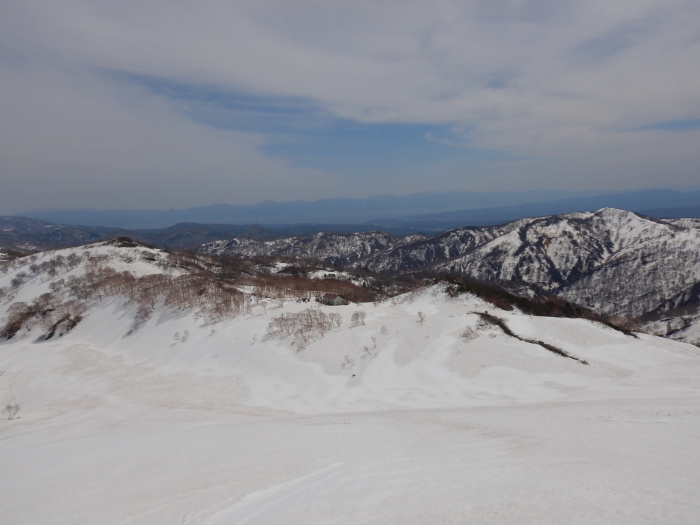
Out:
{"x": 611, "y": 261}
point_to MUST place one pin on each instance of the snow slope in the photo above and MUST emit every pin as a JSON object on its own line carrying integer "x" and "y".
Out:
{"x": 397, "y": 420}
{"x": 391, "y": 362}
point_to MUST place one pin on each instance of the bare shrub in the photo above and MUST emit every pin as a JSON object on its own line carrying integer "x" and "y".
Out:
{"x": 73, "y": 260}
{"x": 304, "y": 326}
{"x": 57, "y": 286}
{"x": 215, "y": 299}
{"x": 62, "y": 319}
{"x": 11, "y": 411}
{"x": 18, "y": 280}
{"x": 336, "y": 319}
{"x": 143, "y": 314}
{"x": 358, "y": 318}
{"x": 18, "y": 314}
{"x": 469, "y": 334}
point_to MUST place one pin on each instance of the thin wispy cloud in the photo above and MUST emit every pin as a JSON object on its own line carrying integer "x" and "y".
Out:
{"x": 159, "y": 104}
{"x": 681, "y": 125}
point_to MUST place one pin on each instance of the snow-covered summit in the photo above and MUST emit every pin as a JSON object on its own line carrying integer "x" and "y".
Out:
{"x": 611, "y": 260}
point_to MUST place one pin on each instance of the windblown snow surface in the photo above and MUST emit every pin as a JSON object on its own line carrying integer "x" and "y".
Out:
{"x": 390, "y": 422}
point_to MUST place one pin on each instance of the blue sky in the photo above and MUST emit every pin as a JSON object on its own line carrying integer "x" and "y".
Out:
{"x": 308, "y": 136}
{"x": 175, "y": 104}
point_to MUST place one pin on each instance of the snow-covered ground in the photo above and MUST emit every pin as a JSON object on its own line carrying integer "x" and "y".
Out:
{"x": 279, "y": 267}
{"x": 447, "y": 420}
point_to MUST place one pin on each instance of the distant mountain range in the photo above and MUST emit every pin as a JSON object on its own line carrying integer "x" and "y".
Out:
{"x": 653, "y": 203}
{"x": 435, "y": 211}
{"x": 24, "y": 235}
{"x": 611, "y": 261}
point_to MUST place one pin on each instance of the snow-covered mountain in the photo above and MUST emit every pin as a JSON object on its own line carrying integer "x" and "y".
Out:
{"x": 154, "y": 307}
{"x": 612, "y": 261}
{"x": 330, "y": 248}
{"x": 170, "y": 389}
{"x": 22, "y": 234}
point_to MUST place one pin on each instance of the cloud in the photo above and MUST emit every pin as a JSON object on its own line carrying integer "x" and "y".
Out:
{"x": 111, "y": 94}
{"x": 84, "y": 140}
{"x": 672, "y": 125}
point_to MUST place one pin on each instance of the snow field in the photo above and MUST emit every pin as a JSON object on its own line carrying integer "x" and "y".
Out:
{"x": 391, "y": 421}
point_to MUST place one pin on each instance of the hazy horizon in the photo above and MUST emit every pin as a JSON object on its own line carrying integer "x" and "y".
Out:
{"x": 510, "y": 198}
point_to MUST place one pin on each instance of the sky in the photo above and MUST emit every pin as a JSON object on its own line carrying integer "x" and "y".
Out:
{"x": 173, "y": 104}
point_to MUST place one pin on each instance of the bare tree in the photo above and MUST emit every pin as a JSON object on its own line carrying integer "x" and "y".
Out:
{"x": 304, "y": 326}
{"x": 358, "y": 318}
{"x": 348, "y": 363}
{"x": 336, "y": 319}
